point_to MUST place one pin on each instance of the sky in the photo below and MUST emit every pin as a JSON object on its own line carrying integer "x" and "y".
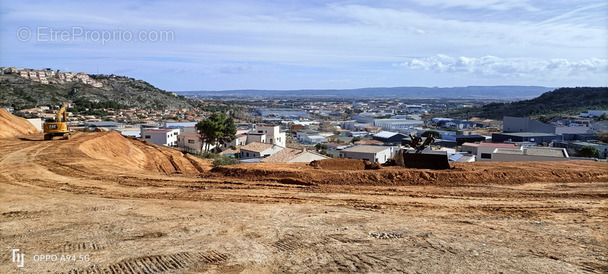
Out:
{"x": 311, "y": 44}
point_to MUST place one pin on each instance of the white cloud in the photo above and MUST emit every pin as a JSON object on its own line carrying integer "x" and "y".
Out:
{"x": 481, "y": 4}
{"x": 492, "y": 66}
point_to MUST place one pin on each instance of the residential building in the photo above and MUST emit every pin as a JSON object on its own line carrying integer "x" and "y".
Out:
{"x": 191, "y": 142}
{"x": 273, "y": 134}
{"x": 485, "y": 150}
{"x": 161, "y": 137}
{"x": 259, "y": 150}
{"x": 373, "y": 154}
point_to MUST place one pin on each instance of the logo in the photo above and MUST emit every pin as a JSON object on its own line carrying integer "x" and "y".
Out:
{"x": 18, "y": 258}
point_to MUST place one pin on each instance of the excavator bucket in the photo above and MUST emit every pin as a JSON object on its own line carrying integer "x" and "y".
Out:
{"x": 425, "y": 159}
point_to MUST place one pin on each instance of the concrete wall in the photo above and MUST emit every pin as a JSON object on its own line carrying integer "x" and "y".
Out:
{"x": 261, "y": 138}
{"x": 380, "y": 157}
{"x": 36, "y": 122}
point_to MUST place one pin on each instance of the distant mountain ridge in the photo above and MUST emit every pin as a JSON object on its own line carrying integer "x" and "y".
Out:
{"x": 472, "y": 92}
{"x": 561, "y": 101}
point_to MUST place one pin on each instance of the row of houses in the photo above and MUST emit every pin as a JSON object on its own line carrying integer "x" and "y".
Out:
{"x": 48, "y": 75}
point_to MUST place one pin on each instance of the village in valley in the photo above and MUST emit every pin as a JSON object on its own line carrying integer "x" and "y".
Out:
{"x": 307, "y": 129}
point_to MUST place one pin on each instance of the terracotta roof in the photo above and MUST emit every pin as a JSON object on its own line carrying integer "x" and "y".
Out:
{"x": 286, "y": 155}
{"x": 256, "y": 147}
{"x": 470, "y": 144}
{"x": 282, "y": 156}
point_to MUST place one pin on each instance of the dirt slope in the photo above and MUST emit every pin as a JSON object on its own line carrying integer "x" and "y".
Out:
{"x": 12, "y": 126}
{"x": 113, "y": 147}
{"x": 351, "y": 172}
{"x": 133, "y": 207}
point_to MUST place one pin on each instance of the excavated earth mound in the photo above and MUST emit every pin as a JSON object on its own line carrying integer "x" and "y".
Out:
{"x": 338, "y": 164}
{"x": 111, "y": 146}
{"x": 12, "y": 126}
{"x": 461, "y": 174}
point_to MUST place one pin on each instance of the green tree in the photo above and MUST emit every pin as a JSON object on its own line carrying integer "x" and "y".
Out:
{"x": 603, "y": 117}
{"x": 216, "y": 129}
{"x": 321, "y": 147}
{"x": 590, "y": 151}
{"x": 356, "y": 139}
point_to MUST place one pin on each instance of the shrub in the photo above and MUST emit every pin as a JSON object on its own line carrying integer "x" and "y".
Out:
{"x": 223, "y": 161}
{"x": 590, "y": 151}
{"x": 208, "y": 155}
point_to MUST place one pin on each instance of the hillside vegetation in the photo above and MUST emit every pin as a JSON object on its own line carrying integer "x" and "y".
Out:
{"x": 22, "y": 93}
{"x": 562, "y": 101}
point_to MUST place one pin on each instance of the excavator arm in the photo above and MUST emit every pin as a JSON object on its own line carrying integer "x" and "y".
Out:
{"x": 62, "y": 115}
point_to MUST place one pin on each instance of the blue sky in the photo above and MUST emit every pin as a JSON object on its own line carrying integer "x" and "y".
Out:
{"x": 220, "y": 45}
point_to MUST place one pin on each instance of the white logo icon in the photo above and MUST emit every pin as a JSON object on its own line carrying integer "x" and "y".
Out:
{"x": 18, "y": 257}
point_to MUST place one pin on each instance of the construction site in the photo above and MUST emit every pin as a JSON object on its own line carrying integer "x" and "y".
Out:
{"x": 129, "y": 206}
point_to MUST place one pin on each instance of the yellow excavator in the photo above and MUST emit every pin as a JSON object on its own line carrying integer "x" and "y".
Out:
{"x": 59, "y": 127}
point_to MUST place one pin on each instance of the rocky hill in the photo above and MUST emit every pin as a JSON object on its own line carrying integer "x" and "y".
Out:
{"x": 22, "y": 93}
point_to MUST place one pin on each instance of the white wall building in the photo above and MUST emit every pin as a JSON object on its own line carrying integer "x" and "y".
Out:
{"x": 273, "y": 134}
{"x": 373, "y": 154}
{"x": 161, "y": 137}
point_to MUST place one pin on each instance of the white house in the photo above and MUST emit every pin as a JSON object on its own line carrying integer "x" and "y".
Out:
{"x": 373, "y": 154}
{"x": 485, "y": 150}
{"x": 259, "y": 150}
{"x": 161, "y": 137}
{"x": 191, "y": 142}
{"x": 267, "y": 134}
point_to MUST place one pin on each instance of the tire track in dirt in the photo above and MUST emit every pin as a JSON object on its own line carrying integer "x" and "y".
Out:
{"x": 158, "y": 263}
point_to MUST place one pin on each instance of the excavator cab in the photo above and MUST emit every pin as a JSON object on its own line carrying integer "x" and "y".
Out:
{"x": 58, "y": 128}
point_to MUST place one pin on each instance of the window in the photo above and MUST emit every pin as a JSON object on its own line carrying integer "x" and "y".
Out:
{"x": 147, "y": 137}
{"x": 190, "y": 141}
{"x": 486, "y": 156}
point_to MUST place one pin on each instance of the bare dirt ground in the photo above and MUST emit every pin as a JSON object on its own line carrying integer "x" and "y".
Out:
{"x": 132, "y": 207}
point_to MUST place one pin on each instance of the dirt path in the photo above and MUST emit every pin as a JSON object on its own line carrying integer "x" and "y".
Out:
{"x": 57, "y": 199}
